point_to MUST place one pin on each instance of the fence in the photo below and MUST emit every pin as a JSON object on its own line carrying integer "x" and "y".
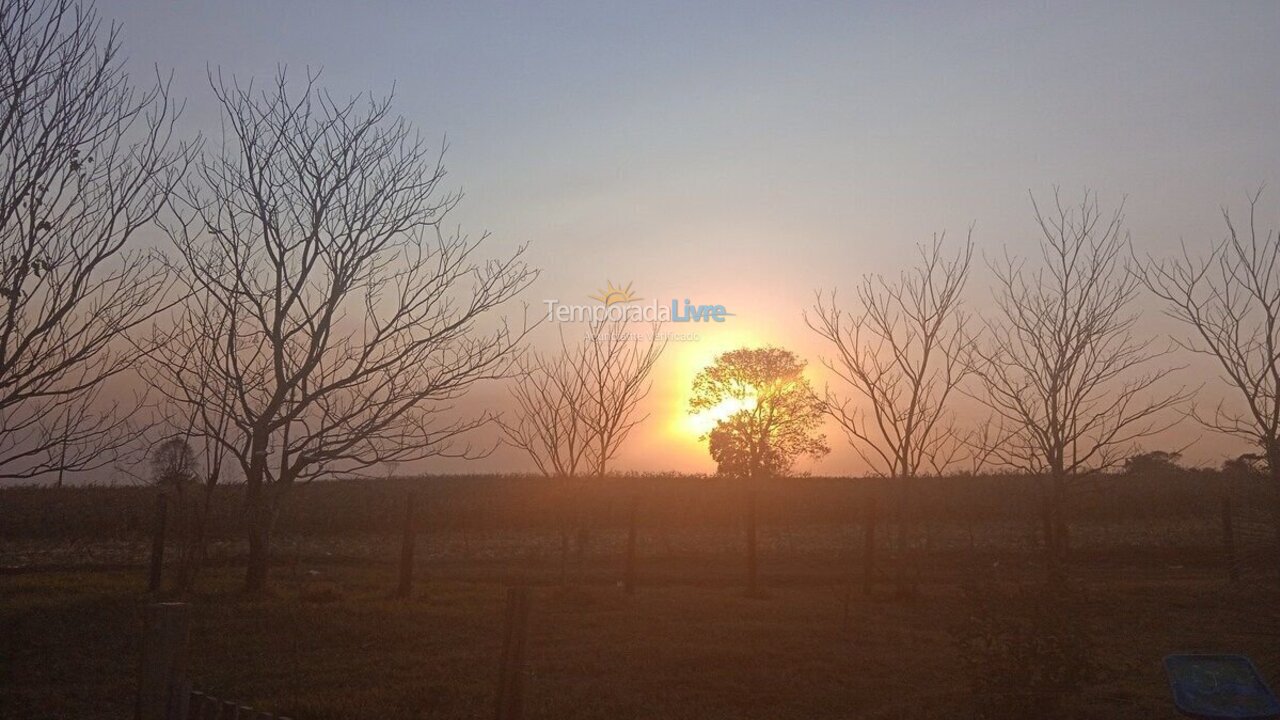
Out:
{"x": 165, "y": 688}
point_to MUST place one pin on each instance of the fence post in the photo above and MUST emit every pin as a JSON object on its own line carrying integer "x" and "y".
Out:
{"x": 753, "y": 572}
{"x": 406, "y": 550}
{"x": 157, "y": 545}
{"x": 164, "y": 659}
{"x": 869, "y": 548}
{"x": 511, "y": 672}
{"x": 629, "y": 576}
{"x": 203, "y": 707}
{"x": 1229, "y": 540}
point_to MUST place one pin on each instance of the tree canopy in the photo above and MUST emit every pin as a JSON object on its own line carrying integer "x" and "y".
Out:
{"x": 778, "y": 417}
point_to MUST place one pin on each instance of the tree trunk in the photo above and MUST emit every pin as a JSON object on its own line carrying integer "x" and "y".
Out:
{"x": 260, "y": 518}
{"x": 906, "y": 586}
{"x": 1273, "y": 468}
{"x": 255, "y": 580}
{"x": 1049, "y": 515}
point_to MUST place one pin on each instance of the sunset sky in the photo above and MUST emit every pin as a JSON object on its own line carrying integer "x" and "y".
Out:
{"x": 749, "y": 154}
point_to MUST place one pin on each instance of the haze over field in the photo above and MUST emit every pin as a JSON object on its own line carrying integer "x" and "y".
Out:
{"x": 747, "y": 156}
{"x": 761, "y": 361}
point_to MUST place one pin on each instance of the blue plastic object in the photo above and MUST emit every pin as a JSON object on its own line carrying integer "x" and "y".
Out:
{"x": 1219, "y": 687}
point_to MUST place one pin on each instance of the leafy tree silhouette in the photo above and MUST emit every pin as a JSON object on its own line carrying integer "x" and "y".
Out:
{"x": 777, "y": 422}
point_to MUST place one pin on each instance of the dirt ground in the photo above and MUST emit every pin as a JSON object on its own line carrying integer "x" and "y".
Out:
{"x": 328, "y": 642}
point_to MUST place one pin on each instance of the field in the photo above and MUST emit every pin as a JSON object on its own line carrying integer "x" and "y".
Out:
{"x": 328, "y": 642}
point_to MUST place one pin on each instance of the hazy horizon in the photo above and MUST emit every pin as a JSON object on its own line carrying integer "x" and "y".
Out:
{"x": 750, "y": 156}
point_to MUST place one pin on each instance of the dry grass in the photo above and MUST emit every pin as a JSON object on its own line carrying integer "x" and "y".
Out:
{"x": 329, "y": 644}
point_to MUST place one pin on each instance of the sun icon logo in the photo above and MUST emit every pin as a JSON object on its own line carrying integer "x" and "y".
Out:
{"x": 613, "y": 294}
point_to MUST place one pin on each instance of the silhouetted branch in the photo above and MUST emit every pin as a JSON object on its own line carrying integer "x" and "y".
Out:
{"x": 1059, "y": 365}
{"x": 899, "y": 351}
{"x": 579, "y": 406}
{"x": 334, "y": 322}
{"x": 86, "y": 160}
{"x": 1230, "y": 301}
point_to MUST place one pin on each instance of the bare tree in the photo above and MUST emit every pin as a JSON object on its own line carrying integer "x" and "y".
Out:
{"x": 574, "y": 410}
{"x": 334, "y": 322}
{"x": 546, "y": 422}
{"x": 1230, "y": 303}
{"x": 1060, "y": 365}
{"x": 86, "y": 160}
{"x": 900, "y": 353}
{"x": 200, "y": 425}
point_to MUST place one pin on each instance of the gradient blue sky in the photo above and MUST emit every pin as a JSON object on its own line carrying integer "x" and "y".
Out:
{"x": 747, "y": 154}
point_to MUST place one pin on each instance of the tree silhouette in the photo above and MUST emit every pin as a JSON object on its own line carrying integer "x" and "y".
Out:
{"x": 87, "y": 159}
{"x": 899, "y": 352}
{"x": 173, "y": 463}
{"x": 1155, "y": 464}
{"x": 778, "y": 418}
{"x": 334, "y": 321}
{"x": 1230, "y": 303}
{"x": 775, "y": 423}
{"x": 574, "y": 410}
{"x": 1059, "y": 364}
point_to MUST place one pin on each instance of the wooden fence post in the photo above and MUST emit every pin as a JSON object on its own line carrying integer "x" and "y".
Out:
{"x": 164, "y": 660}
{"x": 1229, "y": 540}
{"x": 157, "y": 546}
{"x": 180, "y": 699}
{"x": 203, "y": 707}
{"x": 406, "y": 550}
{"x": 869, "y": 548}
{"x": 629, "y": 576}
{"x": 753, "y": 573}
{"x": 511, "y": 672}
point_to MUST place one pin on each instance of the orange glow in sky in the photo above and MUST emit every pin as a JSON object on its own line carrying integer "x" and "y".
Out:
{"x": 681, "y": 432}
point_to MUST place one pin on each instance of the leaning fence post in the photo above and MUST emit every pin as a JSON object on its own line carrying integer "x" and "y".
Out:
{"x": 629, "y": 576}
{"x": 157, "y": 546}
{"x": 164, "y": 659}
{"x": 406, "y": 551}
{"x": 511, "y": 672}
{"x": 1229, "y": 540}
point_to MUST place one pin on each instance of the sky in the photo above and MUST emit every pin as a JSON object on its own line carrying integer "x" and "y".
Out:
{"x": 748, "y": 154}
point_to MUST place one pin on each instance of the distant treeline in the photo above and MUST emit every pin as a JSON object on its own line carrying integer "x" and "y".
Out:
{"x": 509, "y": 502}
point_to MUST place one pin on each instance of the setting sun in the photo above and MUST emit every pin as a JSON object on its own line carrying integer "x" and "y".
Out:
{"x": 639, "y": 360}
{"x": 702, "y": 423}
{"x": 685, "y": 361}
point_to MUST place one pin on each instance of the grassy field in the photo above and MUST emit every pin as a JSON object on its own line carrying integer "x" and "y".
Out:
{"x": 328, "y": 642}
